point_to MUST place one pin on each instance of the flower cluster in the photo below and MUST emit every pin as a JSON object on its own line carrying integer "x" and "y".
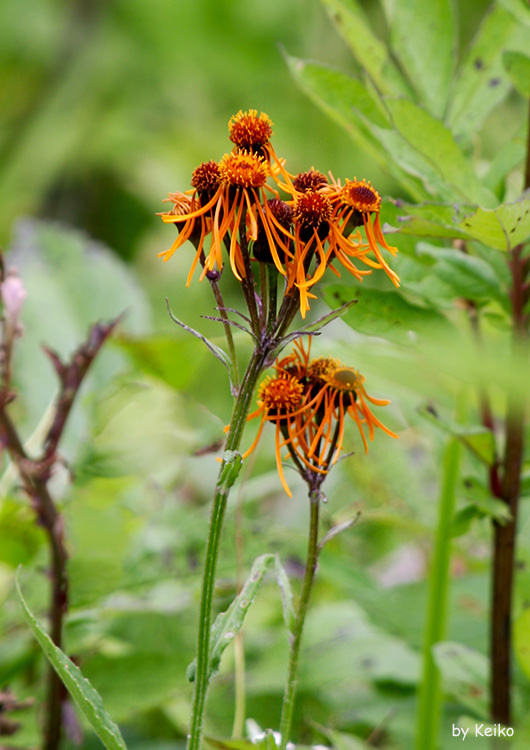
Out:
{"x": 301, "y": 225}
{"x": 308, "y": 400}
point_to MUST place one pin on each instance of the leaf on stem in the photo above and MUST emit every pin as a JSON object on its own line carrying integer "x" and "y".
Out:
{"x": 286, "y": 594}
{"x": 229, "y": 623}
{"x": 87, "y": 698}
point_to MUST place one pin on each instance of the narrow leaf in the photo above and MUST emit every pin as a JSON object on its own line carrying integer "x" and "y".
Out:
{"x": 228, "y": 623}
{"x": 435, "y": 143}
{"x": 464, "y": 674}
{"x": 369, "y": 51}
{"x": 423, "y": 39}
{"x": 87, "y": 698}
{"x": 338, "y": 529}
{"x": 215, "y": 350}
{"x": 482, "y": 81}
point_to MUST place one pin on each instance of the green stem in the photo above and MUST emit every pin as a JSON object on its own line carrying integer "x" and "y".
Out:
{"x": 225, "y": 481}
{"x": 296, "y": 638}
{"x": 429, "y": 694}
{"x": 228, "y": 331}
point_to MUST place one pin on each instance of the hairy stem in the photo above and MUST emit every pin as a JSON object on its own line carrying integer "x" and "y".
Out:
{"x": 237, "y": 424}
{"x": 296, "y": 637}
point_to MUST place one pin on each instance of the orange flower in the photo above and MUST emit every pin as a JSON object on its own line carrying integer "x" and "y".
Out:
{"x": 278, "y": 399}
{"x": 355, "y": 204}
{"x": 309, "y": 400}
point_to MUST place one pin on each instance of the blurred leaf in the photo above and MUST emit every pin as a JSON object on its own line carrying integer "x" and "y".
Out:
{"x": 386, "y": 314}
{"x": 434, "y": 142}
{"x": 343, "y": 741}
{"x": 369, "y": 51}
{"x": 172, "y": 359}
{"x": 464, "y": 675}
{"x": 87, "y": 699}
{"x": 229, "y": 623}
{"x": 468, "y": 276}
{"x": 487, "y": 505}
{"x": 287, "y": 595}
{"x": 522, "y": 640}
{"x": 519, "y": 8}
{"x": 510, "y": 155}
{"x": 19, "y": 531}
{"x": 422, "y": 37}
{"x": 517, "y": 65}
{"x": 477, "y": 439}
{"x": 481, "y": 82}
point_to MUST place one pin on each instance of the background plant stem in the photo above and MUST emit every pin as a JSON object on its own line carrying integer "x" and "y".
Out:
{"x": 429, "y": 693}
{"x": 296, "y": 638}
{"x": 505, "y": 535}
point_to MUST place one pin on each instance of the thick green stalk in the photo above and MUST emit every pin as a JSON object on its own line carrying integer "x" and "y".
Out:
{"x": 429, "y": 693}
{"x": 226, "y": 478}
{"x": 296, "y": 638}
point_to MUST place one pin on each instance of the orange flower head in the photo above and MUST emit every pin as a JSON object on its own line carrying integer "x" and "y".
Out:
{"x": 206, "y": 179}
{"x": 319, "y": 369}
{"x": 182, "y": 204}
{"x": 243, "y": 169}
{"x": 361, "y": 195}
{"x": 312, "y": 180}
{"x": 344, "y": 379}
{"x": 312, "y": 209}
{"x": 250, "y": 131}
{"x": 280, "y": 395}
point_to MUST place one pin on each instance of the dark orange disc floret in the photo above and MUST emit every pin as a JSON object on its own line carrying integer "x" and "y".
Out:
{"x": 311, "y": 209}
{"x": 281, "y": 394}
{"x": 206, "y": 177}
{"x": 361, "y": 195}
{"x": 248, "y": 130}
{"x": 243, "y": 169}
{"x": 309, "y": 181}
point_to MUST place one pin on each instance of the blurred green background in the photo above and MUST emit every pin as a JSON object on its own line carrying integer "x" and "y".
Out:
{"x": 105, "y": 108}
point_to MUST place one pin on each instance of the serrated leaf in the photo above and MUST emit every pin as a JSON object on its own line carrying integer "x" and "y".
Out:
{"x": 482, "y": 81}
{"x": 287, "y": 595}
{"x": 464, "y": 674}
{"x": 86, "y": 697}
{"x": 517, "y": 65}
{"x": 369, "y": 51}
{"x": 386, "y": 314}
{"x": 500, "y": 228}
{"x": 422, "y": 37}
{"x": 434, "y": 142}
{"x": 227, "y": 624}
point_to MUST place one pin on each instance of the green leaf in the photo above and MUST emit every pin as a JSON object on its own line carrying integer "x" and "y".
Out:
{"x": 434, "y": 142}
{"x": 369, "y": 51}
{"x": 386, "y": 314}
{"x": 349, "y": 103}
{"x": 232, "y": 463}
{"x": 468, "y": 276}
{"x": 517, "y": 65}
{"x": 500, "y": 228}
{"x": 464, "y": 674}
{"x": 287, "y": 595}
{"x": 229, "y": 623}
{"x": 477, "y": 439}
{"x": 519, "y": 8}
{"x": 482, "y": 81}
{"x": 422, "y": 37}
{"x": 88, "y": 700}
{"x": 510, "y": 155}
{"x": 485, "y": 504}
{"x": 173, "y": 360}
